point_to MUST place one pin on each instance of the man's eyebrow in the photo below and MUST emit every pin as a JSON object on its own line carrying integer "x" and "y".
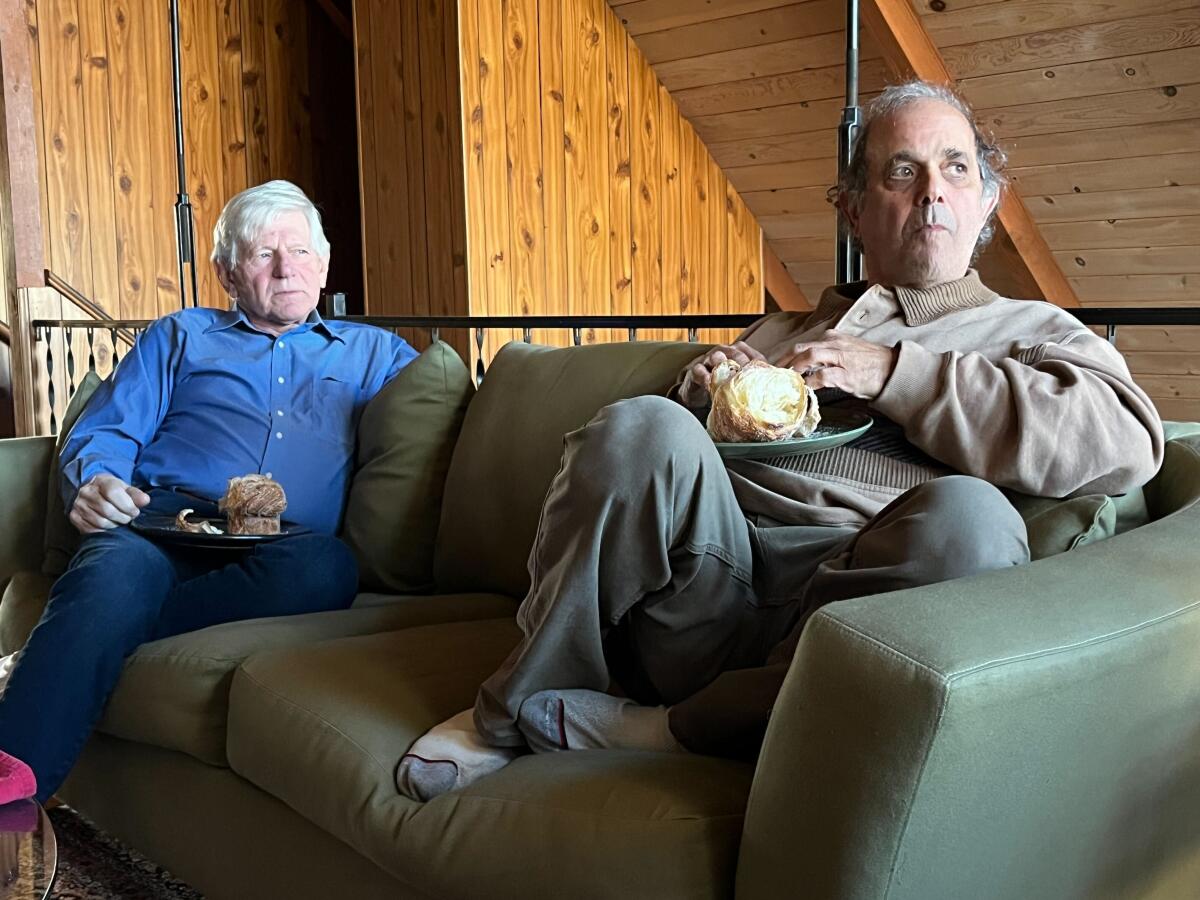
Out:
{"x": 954, "y": 153}
{"x": 901, "y": 156}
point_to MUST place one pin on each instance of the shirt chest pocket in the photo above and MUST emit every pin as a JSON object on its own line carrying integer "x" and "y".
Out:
{"x": 330, "y": 407}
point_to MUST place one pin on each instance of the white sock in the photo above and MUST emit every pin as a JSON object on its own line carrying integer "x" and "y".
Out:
{"x": 591, "y": 720}
{"x": 448, "y": 757}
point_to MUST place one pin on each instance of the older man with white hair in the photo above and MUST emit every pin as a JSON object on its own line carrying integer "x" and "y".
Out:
{"x": 686, "y": 582}
{"x": 205, "y": 395}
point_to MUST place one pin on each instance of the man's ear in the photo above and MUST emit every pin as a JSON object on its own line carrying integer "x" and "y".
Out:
{"x": 324, "y": 270}
{"x": 847, "y": 208}
{"x": 226, "y": 278}
{"x": 989, "y": 203}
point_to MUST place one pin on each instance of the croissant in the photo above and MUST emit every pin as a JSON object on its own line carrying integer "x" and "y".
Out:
{"x": 760, "y": 402}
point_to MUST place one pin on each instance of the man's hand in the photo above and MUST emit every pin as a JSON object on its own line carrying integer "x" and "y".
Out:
{"x": 106, "y": 502}
{"x": 694, "y": 390}
{"x": 837, "y": 360}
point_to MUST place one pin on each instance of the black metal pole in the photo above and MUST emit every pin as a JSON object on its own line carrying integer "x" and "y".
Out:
{"x": 185, "y": 233}
{"x": 849, "y": 260}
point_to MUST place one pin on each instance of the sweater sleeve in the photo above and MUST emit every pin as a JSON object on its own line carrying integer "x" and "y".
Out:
{"x": 1055, "y": 420}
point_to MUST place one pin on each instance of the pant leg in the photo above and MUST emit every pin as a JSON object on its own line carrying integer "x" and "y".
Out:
{"x": 640, "y": 529}
{"x": 99, "y": 611}
{"x": 947, "y": 528}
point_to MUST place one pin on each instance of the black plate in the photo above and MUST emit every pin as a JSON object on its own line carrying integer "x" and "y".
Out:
{"x": 162, "y": 528}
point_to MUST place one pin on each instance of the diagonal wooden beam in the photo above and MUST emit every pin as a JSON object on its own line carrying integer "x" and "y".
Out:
{"x": 779, "y": 284}
{"x": 909, "y": 50}
{"x": 338, "y": 18}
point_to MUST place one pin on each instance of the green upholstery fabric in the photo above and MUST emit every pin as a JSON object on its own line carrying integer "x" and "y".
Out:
{"x": 1024, "y": 734}
{"x": 62, "y": 538}
{"x": 174, "y": 692}
{"x": 511, "y": 446}
{"x": 324, "y": 728}
{"x": 1056, "y": 526}
{"x": 405, "y": 439}
{"x": 24, "y": 468}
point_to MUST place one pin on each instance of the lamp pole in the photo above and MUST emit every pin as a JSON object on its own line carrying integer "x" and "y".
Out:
{"x": 849, "y": 260}
{"x": 185, "y": 229}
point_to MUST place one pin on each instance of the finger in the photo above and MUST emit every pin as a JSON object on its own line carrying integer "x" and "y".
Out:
{"x": 828, "y": 377}
{"x": 80, "y": 524}
{"x": 749, "y": 351}
{"x": 138, "y": 496}
{"x": 116, "y": 495}
{"x": 715, "y": 358}
{"x": 105, "y": 510}
{"x": 94, "y": 520}
{"x": 701, "y": 376}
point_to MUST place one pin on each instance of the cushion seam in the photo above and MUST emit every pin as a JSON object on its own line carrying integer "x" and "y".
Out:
{"x": 461, "y": 797}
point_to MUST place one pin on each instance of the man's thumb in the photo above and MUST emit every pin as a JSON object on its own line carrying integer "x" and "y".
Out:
{"x": 139, "y": 497}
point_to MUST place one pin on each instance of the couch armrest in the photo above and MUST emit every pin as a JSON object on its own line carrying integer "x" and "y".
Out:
{"x": 24, "y": 470}
{"x": 1027, "y": 733}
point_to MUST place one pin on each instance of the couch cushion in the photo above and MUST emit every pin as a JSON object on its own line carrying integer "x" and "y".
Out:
{"x": 511, "y": 445}
{"x": 323, "y": 729}
{"x": 405, "y": 439}
{"x": 62, "y": 538}
{"x": 174, "y": 693}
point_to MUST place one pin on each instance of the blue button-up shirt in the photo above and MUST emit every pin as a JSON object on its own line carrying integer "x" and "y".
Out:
{"x": 204, "y": 396}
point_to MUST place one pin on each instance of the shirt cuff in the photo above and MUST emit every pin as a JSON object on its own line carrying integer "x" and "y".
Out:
{"x": 912, "y": 383}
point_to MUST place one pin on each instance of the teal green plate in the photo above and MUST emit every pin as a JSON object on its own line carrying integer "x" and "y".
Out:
{"x": 837, "y": 427}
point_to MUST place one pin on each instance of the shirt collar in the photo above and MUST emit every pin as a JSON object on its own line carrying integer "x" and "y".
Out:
{"x": 232, "y": 317}
{"x": 919, "y": 305}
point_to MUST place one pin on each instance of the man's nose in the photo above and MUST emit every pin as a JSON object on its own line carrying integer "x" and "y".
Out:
{"x": 283, "y": 265}
{"x": 929, "y": 188}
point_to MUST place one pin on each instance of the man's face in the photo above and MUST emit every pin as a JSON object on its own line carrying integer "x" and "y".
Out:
{"x": 278, "y": 279}
{"x": 923, "y": 206}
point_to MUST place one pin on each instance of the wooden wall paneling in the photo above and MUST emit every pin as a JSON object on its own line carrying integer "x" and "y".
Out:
{"x": 202, "y": 135}
{"x": 132, "y": 176}
{"x": 646, "y": 16}
{"x": 1107, "y": 143}
{"x": 1169, "y": 170}
{"x": 495, "y": 166}
{"x": 430, "y": 41}
{"x": 620, "y": 212}
{"x": 1129, "y": 290}
{"x": 817, "y": 51}
{"x": 23, "y": 139}
{"x": 780, "y": 148}
{"x": 991, "y": 21}
{"x": 693, "y": 220}
{"x": 472, "y": 128}
{"x": 776, "y": 176}
{"x": 809, "y": 249}
{"x": 1145, "y": 261}
{"x": 587, "y": 183}
{"x": 527, "y": 224}
{"x": 285, "y": 128}
{"x": 232, "y": 103}
{"x": 162, "y": 265}
{"x": 554, "y": 159}
{"x": 40, "y": 137}
{"x": 453, "y": 107}
{"x": 1132, "y": 338}
{"x": 647, "y": 188}
{"x": 789, "y": 200}
{"x": 776, "y": 281}
{"x": 795, "y": 225}
{"x": 670, "y": 129}
{"x": 399, "y": 249}
{"x": 1180, "y": 410}
{"x": 368, "y": 153}
{"x": 717, "y": 256}
{"x": 98, "y": 150}
{"x": 814, "y": 115}
{"x": 1143, "y": 107}
{"x": 1124, "y": 233}
{"x": 1075, "y": 44}
{"x": 69, "y": 253}
{"x": 1183, "y": 200}
{"x": 254, "y": 84}
{"x": 1158, "y": 362}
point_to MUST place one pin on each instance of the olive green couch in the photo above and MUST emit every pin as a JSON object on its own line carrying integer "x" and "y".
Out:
{"x": 1033, "y": 733}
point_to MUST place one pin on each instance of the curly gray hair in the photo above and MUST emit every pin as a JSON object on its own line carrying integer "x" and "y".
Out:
{"x": 992, "y": 159}
{"x": 248, "y": 213}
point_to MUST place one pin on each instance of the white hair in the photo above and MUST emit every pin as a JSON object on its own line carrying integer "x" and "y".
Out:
{"x": 254, "y": 209}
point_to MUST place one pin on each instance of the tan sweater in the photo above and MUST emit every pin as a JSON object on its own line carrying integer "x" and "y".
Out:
{"x": 1016, "y": 392}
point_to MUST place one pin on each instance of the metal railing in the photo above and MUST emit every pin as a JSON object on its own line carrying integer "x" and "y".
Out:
{"x": 80, "y": 336}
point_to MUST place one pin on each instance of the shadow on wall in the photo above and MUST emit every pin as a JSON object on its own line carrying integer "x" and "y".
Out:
{"x": 7, "y": 412}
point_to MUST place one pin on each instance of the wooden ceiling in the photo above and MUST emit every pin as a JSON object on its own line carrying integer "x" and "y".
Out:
{"x": 1097, "y": 102}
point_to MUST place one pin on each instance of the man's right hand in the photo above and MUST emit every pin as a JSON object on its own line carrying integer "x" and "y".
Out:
{"x": 694, "y": 390}
{"x": 106, "y": 502}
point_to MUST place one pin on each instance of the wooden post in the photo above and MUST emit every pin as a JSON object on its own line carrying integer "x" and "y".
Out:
{"x": 21, "y": 168}
{"x": 17, "y": 311}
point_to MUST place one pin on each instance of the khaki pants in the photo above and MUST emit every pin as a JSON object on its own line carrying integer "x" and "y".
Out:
{"x": 646, "y": 573}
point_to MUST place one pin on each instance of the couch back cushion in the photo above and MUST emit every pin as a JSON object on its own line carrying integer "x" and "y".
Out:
{"x": 405, "y": 440}
{"x": 512, "y": 442}
{"x": 62, "y": 538}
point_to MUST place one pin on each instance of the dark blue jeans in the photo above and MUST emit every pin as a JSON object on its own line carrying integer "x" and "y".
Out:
{"x": 122, "y": 590}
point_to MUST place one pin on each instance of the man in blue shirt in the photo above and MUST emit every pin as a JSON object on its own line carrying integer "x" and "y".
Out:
{"x": 204, "y": 396}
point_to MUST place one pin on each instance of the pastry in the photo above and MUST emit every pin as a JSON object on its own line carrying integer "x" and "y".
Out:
{"x": 253, "y": 505}
{"x": 760, "y": 402}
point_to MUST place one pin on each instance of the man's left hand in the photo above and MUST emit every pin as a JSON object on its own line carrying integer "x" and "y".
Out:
{"x": 837, "y": 360}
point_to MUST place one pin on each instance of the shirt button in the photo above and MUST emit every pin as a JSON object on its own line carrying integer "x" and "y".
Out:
{"x": 279, "y": 412}
{"x": 282, "y": 344}
{"x": 268, "y": 474}
{"x": 281, "y": 379}
{"x": 279, "y": 435}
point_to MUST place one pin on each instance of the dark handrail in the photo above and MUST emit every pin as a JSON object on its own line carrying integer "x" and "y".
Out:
{"x": 98, "y": 312}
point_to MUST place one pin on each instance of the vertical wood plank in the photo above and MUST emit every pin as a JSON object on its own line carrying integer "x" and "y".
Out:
{"x": 66, "y": 146}
{"x": 691, "y": 219}
{"x": 162, "y": 264}
{"x": 436, "y": 146}
{"x": 495, "y": 163}
{"x": 524, "y": 137}
{"x": 233, "y": 116}
{"x": 396, "y": 243}
{"x": 744, "y": 289}
{"x": 472, "y": 126}
{"x": 647, "y": 188}
{"x": 202, "y": 133}
{"x": 279, "y": 42}
{"x": 43, "y": 146}
{"x": 131, "y": 180}
{"x": 554, "y": 172}
{"x": 414, "y": 171}
{"x": 620, "y": 226}
{"x": 99, "y": 154}
{"x": 672, "y": 208}
{"x": 367, "y": 154}
{"x": 458, "y": 222}
{"x": 254, "y": 88}
{"x": 716, "y": 256}
{"x": 587, "y": 189}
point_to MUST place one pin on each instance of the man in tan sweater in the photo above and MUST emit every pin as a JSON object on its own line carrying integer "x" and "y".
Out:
{"x": 669, "y": 596}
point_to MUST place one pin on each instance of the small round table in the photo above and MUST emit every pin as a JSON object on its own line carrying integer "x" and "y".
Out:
{"x": 28, "y": 851}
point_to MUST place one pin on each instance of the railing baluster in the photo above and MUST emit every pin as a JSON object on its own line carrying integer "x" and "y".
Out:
{"x": 693, "y": 335}
{"x": 435, "y": 334}
{"x": 1111, "y": 333}
{"x": 577, "y": 336}
{"x": 633, "y": 335}
{"x": 50, "y": 380}
{"x": 479, "y": 359}
{"x": 70, "y": 364}
{"x": 116, "y": 356}
{"x": 527, "y": 334}
{"x": 91, "y": 342}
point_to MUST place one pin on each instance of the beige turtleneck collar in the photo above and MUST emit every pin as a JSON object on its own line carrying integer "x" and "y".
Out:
{"x": 922, "y": 305}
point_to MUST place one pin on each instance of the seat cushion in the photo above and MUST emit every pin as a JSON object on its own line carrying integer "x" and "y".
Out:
{"x": 323, "y": 728}
{"x": 174, "y": 693}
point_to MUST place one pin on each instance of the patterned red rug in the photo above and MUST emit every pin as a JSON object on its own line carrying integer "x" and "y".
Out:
{"x": 94, "y": 866}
